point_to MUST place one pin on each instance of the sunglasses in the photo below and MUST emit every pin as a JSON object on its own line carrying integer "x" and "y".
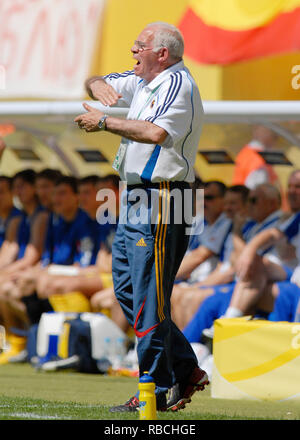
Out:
{"x": 210, "y": 197}
{"x": 252, "y": 200}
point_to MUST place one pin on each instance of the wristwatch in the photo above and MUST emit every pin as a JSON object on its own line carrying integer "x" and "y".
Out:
{"x": 101, "y": 123}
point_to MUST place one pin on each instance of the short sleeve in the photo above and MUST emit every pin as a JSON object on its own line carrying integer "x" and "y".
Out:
{"x": 175, "y": 113}
{"x": 215, "y": 239}
{"x": 291, "y": 226}
{"x": 124, "y": 83}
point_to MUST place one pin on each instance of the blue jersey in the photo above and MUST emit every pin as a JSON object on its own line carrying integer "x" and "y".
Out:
{"x": 76, "y": 241}
{"x": 4, "y": 223}
{"x": 109, "y": 238}
{"x": 90, "y": 240}
{"x": 24, "y": 229}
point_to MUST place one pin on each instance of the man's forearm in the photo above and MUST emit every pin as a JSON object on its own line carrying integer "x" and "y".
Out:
{"x": 89, "y": 82}
{"x": 193, "y": 260}
{"x": 264, "y": 239}
{"x": 138, "y": 131}
{"x": 218, "y": 277}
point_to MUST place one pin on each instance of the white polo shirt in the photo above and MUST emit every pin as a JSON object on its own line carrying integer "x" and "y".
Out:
{"x": 171, "y": 101}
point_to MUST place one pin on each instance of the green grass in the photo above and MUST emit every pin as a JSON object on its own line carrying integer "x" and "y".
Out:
{"x": 26, "y": 394}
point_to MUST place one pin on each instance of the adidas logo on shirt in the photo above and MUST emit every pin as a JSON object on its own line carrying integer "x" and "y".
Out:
{"x": 141, "y": 242}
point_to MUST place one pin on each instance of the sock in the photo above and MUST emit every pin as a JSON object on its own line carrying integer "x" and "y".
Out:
{"x": 16, "y": 345}
{"x": 233, "y": 312}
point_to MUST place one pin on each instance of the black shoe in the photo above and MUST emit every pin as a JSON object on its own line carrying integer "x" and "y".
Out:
{"x": 130, "y": 406}
{"x": 134, "y": 403}
{"x": 180, "y": 394}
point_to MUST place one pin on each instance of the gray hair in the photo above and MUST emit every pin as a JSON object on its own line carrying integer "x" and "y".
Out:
{"x": 270, "y": 192}
{"x": 167, "y": 35}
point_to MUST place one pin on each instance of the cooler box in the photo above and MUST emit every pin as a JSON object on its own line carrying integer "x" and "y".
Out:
{"x": 256, "y": 359}
{"x": 52, "y": 334}
{"x": 50, "y": 330}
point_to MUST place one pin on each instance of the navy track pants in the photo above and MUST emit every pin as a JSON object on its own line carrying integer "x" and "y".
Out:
{"x": 146, "y": 258}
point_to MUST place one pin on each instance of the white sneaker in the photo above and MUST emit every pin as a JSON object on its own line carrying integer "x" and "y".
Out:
{"x": 209, "y": 332}
{"x": 61, "y": 364}
{"x": 201, "y": 351}
{"x": 207, "y": 365}
{"x": 19, "y": 358}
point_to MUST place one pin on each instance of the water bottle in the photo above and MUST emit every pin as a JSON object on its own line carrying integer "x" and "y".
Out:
{"x": 119, "y": 353}
{"x": 105, "y": 362}
{"x": 147, "y": 398}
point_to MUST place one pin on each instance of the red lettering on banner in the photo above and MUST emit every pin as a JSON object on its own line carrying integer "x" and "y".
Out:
{"x": 9, "y": 37}
{"x": 68, "y": 50}
{"x": 74, "y": 58}
{"x": 40, "y": 28}
{"x": 45, "y": 43}
{"x": 92, "y": 12}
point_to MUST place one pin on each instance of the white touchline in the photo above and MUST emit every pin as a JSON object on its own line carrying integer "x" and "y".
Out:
{"x": 35, "y": 416}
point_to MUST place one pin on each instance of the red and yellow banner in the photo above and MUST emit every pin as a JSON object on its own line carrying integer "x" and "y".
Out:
{"x": 224, "y": 32}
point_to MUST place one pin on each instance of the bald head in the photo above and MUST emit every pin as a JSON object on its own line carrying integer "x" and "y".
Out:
{"x": 264, "y": 135}
{"x": 264, "y": 199}
{"x": 270, "y": 192}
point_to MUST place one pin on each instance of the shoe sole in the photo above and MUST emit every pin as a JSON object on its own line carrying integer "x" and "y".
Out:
{"x": 70, "y": 362}
{"x": 182, "y": 402}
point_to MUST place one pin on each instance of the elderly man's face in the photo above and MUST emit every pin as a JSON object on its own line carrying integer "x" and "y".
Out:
{"x": 147, "y": 66}
{"x": 260, "y": 206}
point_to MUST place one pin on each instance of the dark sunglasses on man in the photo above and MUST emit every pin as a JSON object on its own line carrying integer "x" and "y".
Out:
{"x": 252, "y": 200}
{"x": 209, "y": 197}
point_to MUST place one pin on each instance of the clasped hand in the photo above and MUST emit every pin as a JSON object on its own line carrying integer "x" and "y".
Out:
{"x": 103, "y": 93}
{"x": 89, "y": 121}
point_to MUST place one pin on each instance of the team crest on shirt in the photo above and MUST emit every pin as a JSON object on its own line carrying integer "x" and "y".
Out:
{"x": 86, "y": 244}
{"x": 152, "y": 103}
{"x": 85, "y": 247}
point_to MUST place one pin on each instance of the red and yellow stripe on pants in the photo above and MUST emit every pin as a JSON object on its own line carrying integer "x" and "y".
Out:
{"x": 159, "y": 247}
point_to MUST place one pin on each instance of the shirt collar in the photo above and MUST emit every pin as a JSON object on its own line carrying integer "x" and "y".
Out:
{"x": 162, "y": 76}
{"x": 274, "y": 216}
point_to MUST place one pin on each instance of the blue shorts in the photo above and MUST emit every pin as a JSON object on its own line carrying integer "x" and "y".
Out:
{"x": 212, "y": 308}
{"x": 288, "y": 271}
{"x": 286, "y": 307}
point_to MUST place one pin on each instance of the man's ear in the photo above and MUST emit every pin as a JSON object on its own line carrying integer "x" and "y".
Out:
{"x": 163, "y": 54}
